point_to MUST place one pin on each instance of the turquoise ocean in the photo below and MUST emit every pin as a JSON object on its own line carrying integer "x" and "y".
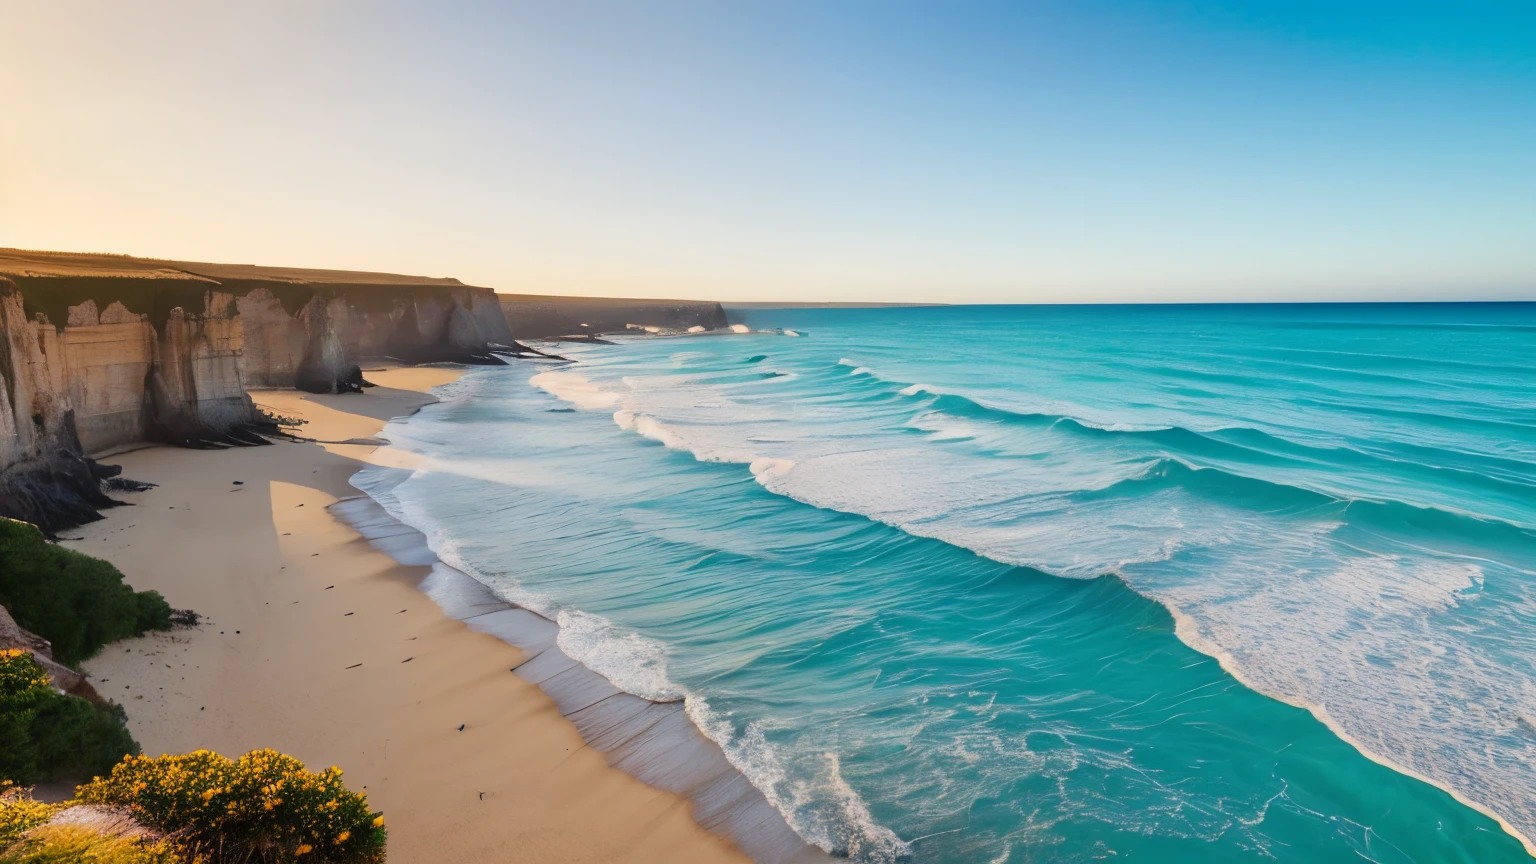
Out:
{"x": 1026, "y": 584}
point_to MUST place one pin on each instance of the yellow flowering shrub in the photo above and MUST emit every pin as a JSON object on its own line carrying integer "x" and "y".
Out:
{"x": 262, "y": 807}
{"x": 20, "y": 675}
{"x": 57, "y": 844}
{"x": 19, "y": 813}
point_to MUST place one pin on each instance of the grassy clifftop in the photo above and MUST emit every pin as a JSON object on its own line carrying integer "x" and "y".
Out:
{"x": 52, "y": 282}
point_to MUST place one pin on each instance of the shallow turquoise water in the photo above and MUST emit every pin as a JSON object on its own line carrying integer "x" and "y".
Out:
{"x": 947, "y": 584}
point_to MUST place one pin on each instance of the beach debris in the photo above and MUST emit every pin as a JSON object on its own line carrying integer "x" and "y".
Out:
{"x": 238, "y": 482}
{"x": 408, "y": 659}
{"x": 461, "y": 727}
{"x": 354, "y": 666}
{"x": 329, "y": 587}
{"x": 349, "y": 613}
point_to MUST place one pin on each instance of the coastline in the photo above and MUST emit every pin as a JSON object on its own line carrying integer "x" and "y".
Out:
{"x": 318, "y": 644}
{"x": 655, "y": 742}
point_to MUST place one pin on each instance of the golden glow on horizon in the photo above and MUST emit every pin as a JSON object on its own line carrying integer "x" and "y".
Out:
{"x": 466, "y": 143}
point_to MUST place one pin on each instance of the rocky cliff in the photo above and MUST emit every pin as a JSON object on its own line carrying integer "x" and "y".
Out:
{"x": 101, "y": 351}
{"x": 537, "y": 317}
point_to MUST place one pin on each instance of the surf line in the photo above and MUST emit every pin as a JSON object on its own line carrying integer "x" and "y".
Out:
{"x": 653, "y": 741}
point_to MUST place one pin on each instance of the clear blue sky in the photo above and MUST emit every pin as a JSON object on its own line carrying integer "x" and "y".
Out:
{"x": 992, "y": 152}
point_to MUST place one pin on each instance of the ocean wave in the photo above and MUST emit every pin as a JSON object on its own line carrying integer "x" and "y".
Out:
{"x": 1355, "y": 590}
{"x": 1218, "y": 481}
{"x": 1506, "y": 480}
{"x": 632, "y": 662}
{"x": 823, "y": 808}
{"x": 575, "y": 389}
{"x": 629, "y": 660}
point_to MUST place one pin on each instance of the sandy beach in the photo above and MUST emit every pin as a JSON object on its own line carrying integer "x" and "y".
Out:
{"x": 317, "y": 644}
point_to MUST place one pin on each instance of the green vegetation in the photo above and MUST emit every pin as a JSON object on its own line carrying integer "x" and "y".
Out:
{"x": 200, "y": 808}
{"x": 262, "y": 807}
{"x": 47, "y": 735}
{"x": 157, "y": 296}
{"x": 77, "y": 602}
{"x": 25, "y": 838}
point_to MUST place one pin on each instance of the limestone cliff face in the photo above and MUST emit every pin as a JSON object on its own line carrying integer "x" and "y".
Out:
{"x": 100, "y": 352}
{"x": 44, "y": 475}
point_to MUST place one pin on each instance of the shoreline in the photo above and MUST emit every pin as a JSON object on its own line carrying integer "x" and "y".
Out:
{"x": 655, "y": 742}
{"x": 318, "y": 644}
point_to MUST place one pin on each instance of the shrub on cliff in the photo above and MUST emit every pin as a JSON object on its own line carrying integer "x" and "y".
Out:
{"x": 26, "y": 837}
{"x": 77, "y": 602}
{"x": 263, "y": 807}
{"x": 46, "y": 735}
{"x": 19, "y": 813}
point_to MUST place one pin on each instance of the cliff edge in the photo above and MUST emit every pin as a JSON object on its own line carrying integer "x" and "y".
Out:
{"x": 99, "y": 352}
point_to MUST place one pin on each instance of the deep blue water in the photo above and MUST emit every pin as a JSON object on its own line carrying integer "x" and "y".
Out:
{"x": 1008, "y": 584}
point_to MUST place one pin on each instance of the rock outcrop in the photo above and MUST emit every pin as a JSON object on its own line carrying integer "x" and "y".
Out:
{"x": 64, "y": 678}
{"x": 536, "y": 317}
{"x": 99, "y": 352}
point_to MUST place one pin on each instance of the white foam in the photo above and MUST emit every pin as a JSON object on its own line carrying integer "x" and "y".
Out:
{"x": 575, "y": 389}
{"x": 766, "y": 470}
{"x": 788, "y": 332}
{"x": 851, "y": 828}
{"x": 652, "y": 429}
{"x": 740, "y": 328}
{"x": 632, "y": 662}
{"x": 867, "y": 840}
{"x": 943, "y": 427}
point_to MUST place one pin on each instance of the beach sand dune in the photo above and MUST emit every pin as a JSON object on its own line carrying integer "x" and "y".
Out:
{"x": 319, "y": 645}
